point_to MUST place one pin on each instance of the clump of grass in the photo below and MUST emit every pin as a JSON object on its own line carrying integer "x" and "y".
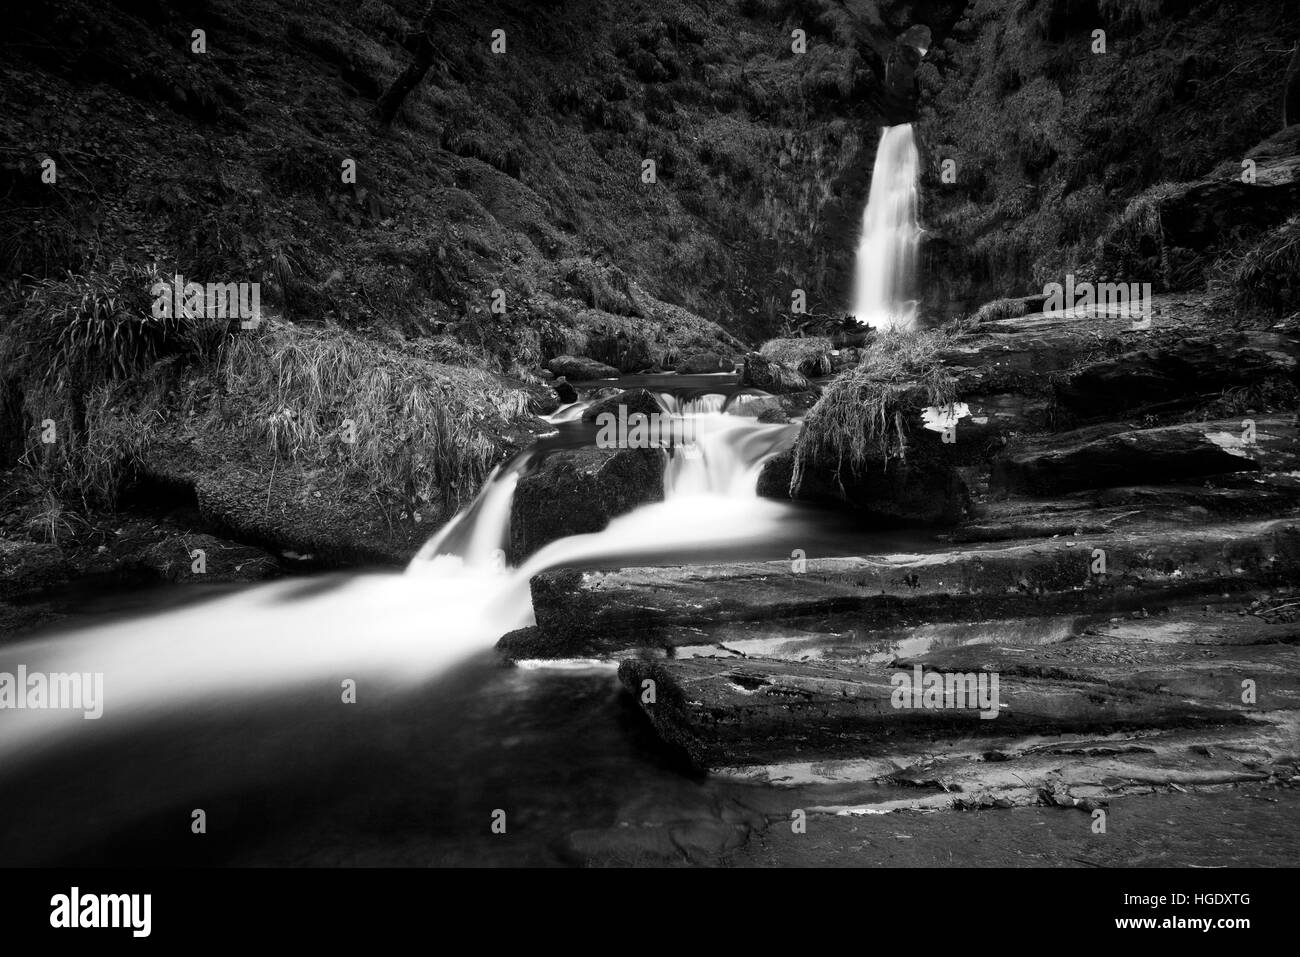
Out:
{"x": 1136, "y": 239}
{"x": 1001, "y": 309}
{"x": 861, "y": 418}
{"x": 89, "y": 328}
{"x": 82, "y": 352}
{"x": 424, "y": 429}
{"x": 52, "y": 521}
{"x": 810, "y": 356}
{"x": 963, "y": 324}
{"x": 1275, "y": 393}
{"x": 1267, "y": 276}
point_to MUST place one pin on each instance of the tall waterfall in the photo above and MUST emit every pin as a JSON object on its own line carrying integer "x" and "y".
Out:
{"x": 883, "y": 295}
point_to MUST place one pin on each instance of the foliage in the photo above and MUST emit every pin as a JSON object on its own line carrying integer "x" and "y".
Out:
{"x": 861, "y": 418}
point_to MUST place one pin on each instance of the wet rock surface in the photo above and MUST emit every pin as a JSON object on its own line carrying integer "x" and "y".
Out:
{"x": 575, "y": 492}
{"x": 625, "y": 404}
{"x": 703, "y": 363}
{"x": 1124, "y": 560}
{"x": 771, "y": 376}
{"x": 581, "y": 369}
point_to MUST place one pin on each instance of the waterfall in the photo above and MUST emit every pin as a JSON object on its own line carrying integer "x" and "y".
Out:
{"x": 717, "y": 469}
{"x": 883, "y": 295}
{"x": 385, "y": 631}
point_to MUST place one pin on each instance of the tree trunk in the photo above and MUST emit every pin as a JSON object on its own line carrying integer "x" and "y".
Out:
{"x": 410, "y": 78}
{"x": 1291, "y": 95}
{"x": 407, "y": 81}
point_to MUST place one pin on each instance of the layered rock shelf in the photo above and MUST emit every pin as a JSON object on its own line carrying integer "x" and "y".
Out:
{"x": 1125, "y": 561}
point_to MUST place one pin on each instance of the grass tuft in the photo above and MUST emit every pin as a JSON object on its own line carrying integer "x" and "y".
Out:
{"x": 1267, "y": 275}
{"x": 423, "y": 429}
{"x": 861, "y": 418}
{"x": 810, "y": 356}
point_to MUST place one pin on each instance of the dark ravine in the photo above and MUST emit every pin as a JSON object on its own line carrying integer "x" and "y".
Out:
{"x": 651, "y": 208}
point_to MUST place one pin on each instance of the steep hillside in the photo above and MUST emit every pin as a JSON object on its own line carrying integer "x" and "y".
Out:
{"x": 414, "y": 274}
{"x": 1051, "y": 141}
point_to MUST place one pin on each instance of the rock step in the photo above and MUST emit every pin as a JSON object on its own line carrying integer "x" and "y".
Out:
{"x": 1114, "y": 372}
{"x": 1116, "y": 456}
{"x": 581, "y": 613}
{"x": 837, "y": 636}
{"x": 726, "y": 712}
{"x": 1183, "y": 670}
{"x": 1098, "y": 511}
{"x": 1188, "y": 655}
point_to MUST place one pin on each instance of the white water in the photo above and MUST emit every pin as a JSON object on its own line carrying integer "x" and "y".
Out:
{"x": 886, "y": 263}
{"x": 387, "y": 632}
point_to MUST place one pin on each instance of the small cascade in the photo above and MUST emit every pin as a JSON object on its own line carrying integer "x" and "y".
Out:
{"x": 456, "y": 598}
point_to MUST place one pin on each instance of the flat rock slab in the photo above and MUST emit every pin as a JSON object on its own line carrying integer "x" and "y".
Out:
{"x": 1207, "y": 673}
{"x": 1177, "y": 373}
{"x": 582, "y": 613}
{"x": 725, "y": 712}
{"x": 1093, "y": 511}
{"x": 1092, "y": 458}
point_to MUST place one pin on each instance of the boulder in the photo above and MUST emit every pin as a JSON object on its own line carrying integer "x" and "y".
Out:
{"x": 634, "y": 400}
{"x": 769, "y": 375}
{"x": 579, "y": 491}
{"x": 702, "y": 363}
{"x": 542, "y": 399}
{"x": 581, "y": 369}
{"x": 774, "y": 478}
{"x": 566, "y": 393}
{"x": 619, "y": 349}
{"x": 752, "y": 406}
{"x": 922, "y": 484}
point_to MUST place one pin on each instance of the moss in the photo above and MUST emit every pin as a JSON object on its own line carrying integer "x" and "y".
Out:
{"x": 810, "y": 356}
{"x": 1000, "y": 309}
{"x": 1052, "y": 142}
{"x": 861, "y": 418}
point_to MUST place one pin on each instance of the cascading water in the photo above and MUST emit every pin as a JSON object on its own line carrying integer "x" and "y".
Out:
{"x": 296, "y": 639}
{"x": 886, "y": 264}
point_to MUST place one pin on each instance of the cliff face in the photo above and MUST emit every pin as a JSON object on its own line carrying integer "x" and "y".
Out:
{"x": 521, "y": 169}
{"x": 1050, "y": 141}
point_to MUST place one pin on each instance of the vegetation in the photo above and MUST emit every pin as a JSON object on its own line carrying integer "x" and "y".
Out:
{"x": 861, "y": 420}
{"x": 810, "y": 356}
{"x": 1052, "y": 142}
{"x": 1267, "y": 274}
{"x": 422, "y": 427}
{"x": 1000, "y": 309}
